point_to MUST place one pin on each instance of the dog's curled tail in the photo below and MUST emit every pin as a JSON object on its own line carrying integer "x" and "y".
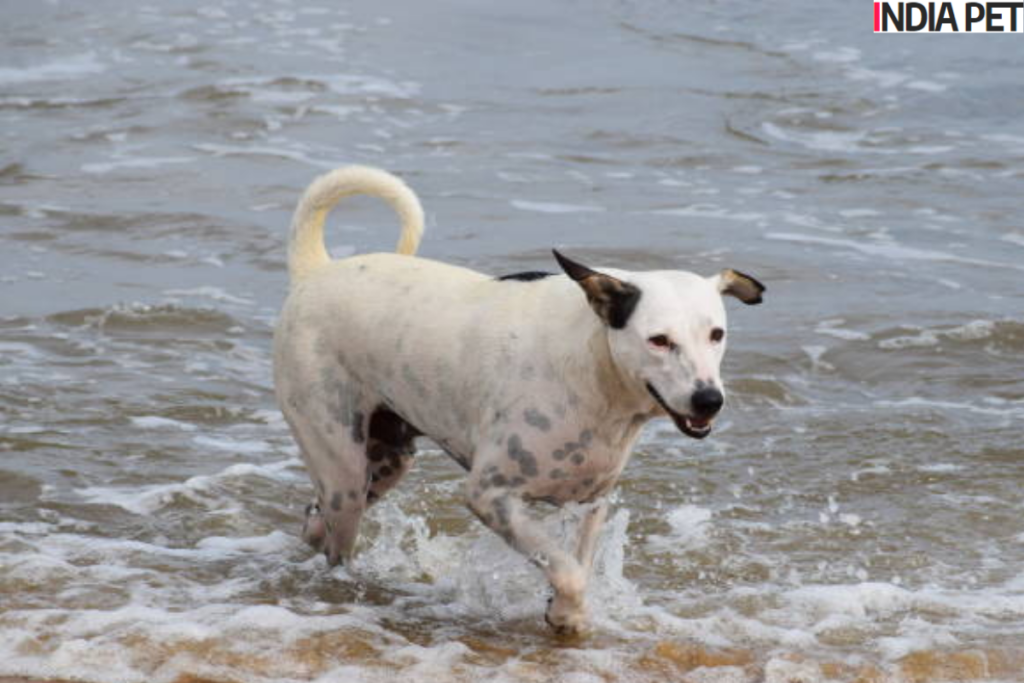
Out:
{"x": 306, "y": 250}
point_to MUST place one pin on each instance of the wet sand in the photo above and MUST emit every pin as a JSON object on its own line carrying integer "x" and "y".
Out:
{"x": 689, "y": 663}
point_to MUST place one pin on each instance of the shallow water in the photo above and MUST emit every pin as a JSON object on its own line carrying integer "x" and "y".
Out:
{"x": 856, "y": 516}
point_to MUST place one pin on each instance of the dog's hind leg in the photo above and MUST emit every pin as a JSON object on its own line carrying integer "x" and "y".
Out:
{"x": 330, "y": 425}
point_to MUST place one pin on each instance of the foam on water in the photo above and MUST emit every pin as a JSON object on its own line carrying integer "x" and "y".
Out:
{"x": 133, "y": 163}
{"x": 830, "y": 141}
{"x": 203, "y": 490}
{"x": 892, "y": 251}
{"x": 554, "y": 207}
{"x": 70, "y": 67}
{"x": 704, "y": 210}
{"x": 972, "y": 331}
{"x": 690, "y": 527}
{"x": 120, "y": 614}
{"x": 833, "y": 328}
{"x": 302, "y": 156}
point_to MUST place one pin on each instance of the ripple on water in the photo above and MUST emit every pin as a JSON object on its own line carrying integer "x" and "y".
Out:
{"x": 146, "y": 319}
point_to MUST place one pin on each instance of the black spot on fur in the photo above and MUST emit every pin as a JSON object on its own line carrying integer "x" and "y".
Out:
{"x": 358, "y": 432}
{"x": 377, "y": 451}
{"x": 537, "y": 419}
{"x": 336, "y": 501}
{"x": 500, "y": 507}
{"x": 527, "y": 276}
{"x": 527, "y": 461}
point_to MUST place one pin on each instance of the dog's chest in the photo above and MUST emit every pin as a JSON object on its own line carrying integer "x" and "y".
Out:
{"x": 562, "y": 463}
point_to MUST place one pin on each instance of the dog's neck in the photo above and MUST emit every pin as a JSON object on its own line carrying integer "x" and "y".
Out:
{"x": 589, "y": 363}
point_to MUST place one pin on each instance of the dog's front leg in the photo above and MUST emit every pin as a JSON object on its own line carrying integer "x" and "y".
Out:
{"x": 590, "y": 528}
{"x": 503, "y": 511}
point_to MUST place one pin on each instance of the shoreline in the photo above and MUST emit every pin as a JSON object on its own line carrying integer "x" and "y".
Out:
{"x": 687, "y": 662}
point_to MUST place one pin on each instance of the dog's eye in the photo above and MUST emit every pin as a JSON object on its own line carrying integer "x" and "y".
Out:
{"x": 717, "y": 335}
{"x": 661, "y": 341}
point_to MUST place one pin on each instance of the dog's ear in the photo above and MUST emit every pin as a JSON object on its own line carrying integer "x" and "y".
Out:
{"x": 612, "y": 299}
{"x": 742, "y": 286}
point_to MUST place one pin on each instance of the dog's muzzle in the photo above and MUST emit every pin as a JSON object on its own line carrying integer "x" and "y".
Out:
{"x": 694, "y": 427}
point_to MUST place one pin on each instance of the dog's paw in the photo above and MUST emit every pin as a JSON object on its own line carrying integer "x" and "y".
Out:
{"x": 567, "y": 618}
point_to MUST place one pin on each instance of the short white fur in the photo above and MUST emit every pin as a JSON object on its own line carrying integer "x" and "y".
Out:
{"x": 523, "y": 383}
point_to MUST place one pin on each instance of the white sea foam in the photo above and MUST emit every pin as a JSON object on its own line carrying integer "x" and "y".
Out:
{"x": 435, "y": 577}
{"x": 555, "y": 207}
{"x": 884, "y": 79}
{"x": 927, "y": 86}
{"x": 210, "y": 292}
{"x": 156, "y": 422}
{"x": 828, "y": 141}
{"x": 1014, "y": 238}
{"x": 839, "y": 55}
{"x": 200, "y": 489}
{"x": 833, "y": 328}
{"x": 280, "y": 98}
{"x": 75, "y": 66}
{"x": 816, "y": 354}
{"x": 886, "y": 250}
{"x": 972, "y": 331}
{"x": 859, "y": 213}
{"x": 690, "y": 526}
{"x": 261, "y": 150}
{"x": 1009, "y": 409}
{"x": 274, "y": 542}
{"x": 232, "y": 445}
{"x": 711, "y": 211}
{"x": 104, "y": 167}
{"x": 358, "y": 84}
{"x": 151, "y": 498}
{"x": 941, "y": 468}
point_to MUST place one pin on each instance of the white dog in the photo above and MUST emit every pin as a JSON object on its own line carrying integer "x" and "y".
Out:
{"x": 536, "y": 384}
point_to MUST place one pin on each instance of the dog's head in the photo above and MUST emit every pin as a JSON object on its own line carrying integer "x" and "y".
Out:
{"x": 667, "y": 333}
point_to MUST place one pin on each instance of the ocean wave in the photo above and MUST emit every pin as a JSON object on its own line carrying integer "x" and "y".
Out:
{"x": 155, "y": 319}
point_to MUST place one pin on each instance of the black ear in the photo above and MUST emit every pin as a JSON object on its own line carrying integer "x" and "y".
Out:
{"x": 612, "y": 299}
{"x": 743, "y": 287}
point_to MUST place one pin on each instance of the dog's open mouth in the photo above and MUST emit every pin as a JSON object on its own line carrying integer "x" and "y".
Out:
{"x": 695, "y": 427}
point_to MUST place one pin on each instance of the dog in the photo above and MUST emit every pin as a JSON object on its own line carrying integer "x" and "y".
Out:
{"x": 536, "y": 384}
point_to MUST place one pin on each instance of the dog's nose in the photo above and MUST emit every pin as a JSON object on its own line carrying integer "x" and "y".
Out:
{"x": 707, "y": 401}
